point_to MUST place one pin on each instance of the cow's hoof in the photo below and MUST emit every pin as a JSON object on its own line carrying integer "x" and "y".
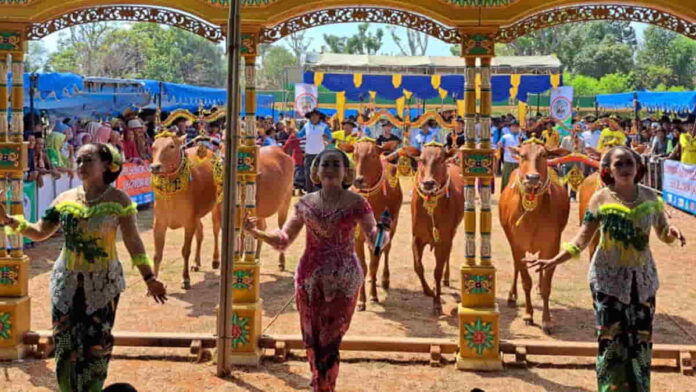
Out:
{"x": 437, "y": 310}
{"x": 446, "y": 283}
{"x": 528, "y": 319}
{"x": 186, "y": 285}
{"x": 195, "y": 268}
{"x": 281, "y": 268}
{"x": 216, "y": 264}
{"x": 374, "y": 300}
{"x": 428, "y": 292}
{"x": 547, "y": 327}
{"x": 512, "y": 300}
{"x": 385, "y": 284}
{"x": 361, "y": 307}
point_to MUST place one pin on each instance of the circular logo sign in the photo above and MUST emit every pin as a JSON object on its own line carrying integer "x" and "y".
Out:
{"x": 561, "y": 108}
{"x": 304, "y": 103}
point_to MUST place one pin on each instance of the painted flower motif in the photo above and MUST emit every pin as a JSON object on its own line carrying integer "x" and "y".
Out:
{"x": 243, "y": 280}
{"x": 477, "y": 284}
{"x": 240, "y": 330}
{"x": 5, "y": 326}
{"x": 9, "y": 275}
{"x": 479, "y": 336}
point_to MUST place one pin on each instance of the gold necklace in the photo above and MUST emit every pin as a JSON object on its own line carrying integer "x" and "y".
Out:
{"x": 618, "y": 197}
{"x": 83, "y": 196}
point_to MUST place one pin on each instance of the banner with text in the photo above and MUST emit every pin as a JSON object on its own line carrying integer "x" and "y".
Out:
{"x": 679, "y": 185}
{"x": 135, "y": 181}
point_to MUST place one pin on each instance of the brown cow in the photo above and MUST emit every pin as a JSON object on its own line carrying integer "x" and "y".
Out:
{"x": 273, "y": 190}
{"x": 378, "y": 182}
{"x": 193, "y": 197}
{"x": 533, "y": 212}
{"x": 438, "y": 196}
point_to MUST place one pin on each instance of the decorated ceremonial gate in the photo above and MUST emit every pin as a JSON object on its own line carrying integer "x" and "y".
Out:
{"x": 475, "y": 24}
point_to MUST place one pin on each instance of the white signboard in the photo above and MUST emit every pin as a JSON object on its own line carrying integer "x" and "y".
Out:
{"x": 306, "y": 98}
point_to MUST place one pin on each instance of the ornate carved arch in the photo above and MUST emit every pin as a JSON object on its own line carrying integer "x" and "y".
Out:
{"x": 361, "y": 14}
{"x": 588, "y": 13}
{"x": 128, "y": 13}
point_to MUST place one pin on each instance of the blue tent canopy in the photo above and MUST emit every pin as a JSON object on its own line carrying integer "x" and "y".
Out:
{"x": 672, "y": 102}
{"x": 184, "y": 93}
{"x": 422, "y": 88}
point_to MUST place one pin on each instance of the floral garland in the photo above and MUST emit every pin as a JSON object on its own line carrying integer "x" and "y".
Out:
{"x": 167, "y": 187}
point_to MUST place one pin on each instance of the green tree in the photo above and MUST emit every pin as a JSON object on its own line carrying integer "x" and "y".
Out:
{"x": 582, "y": 85}
{"x": 416, "y": 42}
{"x": 665, "y": 58}
{"x": 144, "y": 51}
{"x": 364, "y": 42}
{"x": 299, "y": 44}
{"x": 37, "y": 57}
{"x": 271, "y": 75}
{"x": 82, "y": 49}
{"x": 606, "y": 57}
{"x": 614, "y": 83}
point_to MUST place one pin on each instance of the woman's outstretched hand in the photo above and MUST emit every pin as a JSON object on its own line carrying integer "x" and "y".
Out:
{"x": 157, "y": 290}
{"x": 250, "y": 223}
{"x": 532, "y": 260}
{"x": 674, "y": 232}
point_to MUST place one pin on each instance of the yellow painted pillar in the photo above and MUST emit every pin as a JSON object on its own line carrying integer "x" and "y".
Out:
{"x": 470, "y": 182}
{"x": 479, "y": 318}
{"x": 247, "y": 306}
{"x": 15, "y": 312}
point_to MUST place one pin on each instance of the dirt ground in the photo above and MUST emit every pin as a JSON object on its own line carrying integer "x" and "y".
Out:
{"x": 404, "y": 311}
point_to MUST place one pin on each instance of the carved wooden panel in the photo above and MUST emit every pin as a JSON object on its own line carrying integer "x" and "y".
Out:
{"x": 586, "y": 13}
{"x": 360, "y": 14}
{"x": 128, "y": 13}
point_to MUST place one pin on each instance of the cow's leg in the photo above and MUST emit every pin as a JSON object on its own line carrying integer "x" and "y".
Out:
{"x": 385, "y": 270}
{"x": 360, "y": 252}
{"x": 199, "y": 243}
{"x": 374, "y": 267}
{"x": 546, "y": 278}
{"x": 160, "y": 233}
{"x": 446, "y": 281}
{"x": 217, "y": 223}
{"x": 261, "y": 225}
{"x": 512, "y": 295}
{"x": 526, "y": 286}
{"x": 282, "y": 217}
{"x": 189, "y": 232}
{"x": 442, "y": 252}
{"x": 417, "y": 246}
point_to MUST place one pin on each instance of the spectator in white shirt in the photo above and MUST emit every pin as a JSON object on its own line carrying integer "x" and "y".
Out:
{"x": 316, "y": 134}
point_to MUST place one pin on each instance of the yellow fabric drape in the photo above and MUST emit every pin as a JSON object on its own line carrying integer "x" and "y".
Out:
{"x": 443, "y": 93}
{"x": 357, "y": 79}
{"x": 318, "y": 78}
{"x": 373, "y": 94}
{"x": 407, "y": 94}
{"x": 461, "y": 107}
{"x": 396, "y": 80}
{"x": 521, "y": 112}
{"x": 400, "y": 105}
{"x": 478, "y": 86}
{"x": 435, "y": 80}
{"x": 555, "y": 80}
{"x": 515, "y": 80}
{"x": 341, "y": 105}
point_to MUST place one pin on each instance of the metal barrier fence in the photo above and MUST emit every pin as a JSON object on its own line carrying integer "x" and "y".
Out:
{"x": 654, "y": 169}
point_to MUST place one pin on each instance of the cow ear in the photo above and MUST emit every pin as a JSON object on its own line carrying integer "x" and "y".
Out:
{"x": 411, "y": 151}
{"x": 451, "y": 152}
{"x": 556, "y": 152}
{"x": 389, "y": 146}
{"x": 348, "y": 148}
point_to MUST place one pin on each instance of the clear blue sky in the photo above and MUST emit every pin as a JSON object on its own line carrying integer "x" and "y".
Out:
{"x": 435, "y": 46}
